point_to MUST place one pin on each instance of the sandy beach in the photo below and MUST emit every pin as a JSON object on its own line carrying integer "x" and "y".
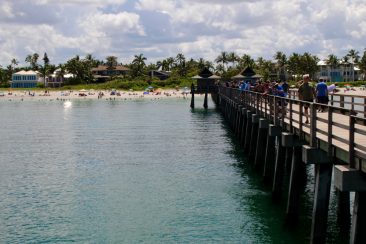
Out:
{"x": 12, "y": 95}
{"x": 92, "y": 94}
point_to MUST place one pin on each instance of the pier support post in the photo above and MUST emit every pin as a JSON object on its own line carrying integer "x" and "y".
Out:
{"x": 254, "y": 136}
{"x": 248, "y": 131}
{"x": 243, "y": 126}
{"x": 323, "y": 176}
{"x": 192, "y": 96}
{"x": 349, "y": 179}
{"x": 297, "y": 171}
{"x": 279, "y": 170}
{"x": 261, "y": 143}
{"x": 269, "y": 162}
{"x": 205, "y": 101}
{"x": 358, "y": 229}
{"x": 238, "y": 121}
{"x": 343, "y": 210}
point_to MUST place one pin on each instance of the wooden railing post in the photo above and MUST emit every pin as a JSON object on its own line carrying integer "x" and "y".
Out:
{"x": 313, "y": 140}
{"x": 351, "y": 147}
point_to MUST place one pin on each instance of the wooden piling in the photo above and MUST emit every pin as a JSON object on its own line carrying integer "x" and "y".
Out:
{"x": 278, "y": 171}
{"x": 192, "y": 96}
{"x": 323, "y": 176}
{"x": 261, "y": 143}
{"x": 358, "y": 229}
{"x": 206, "y": 98}
{"x": 253, "y": 136}
{"x": 248, "y": 131}
{"x": 269, "y": 161}
{"x": 243, "y": 127}
{"x": 297, "y": 170}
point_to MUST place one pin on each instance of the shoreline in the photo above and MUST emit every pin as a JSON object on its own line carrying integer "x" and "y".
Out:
{"x": 40, "y": 95}
{"x": 74, "y": 95}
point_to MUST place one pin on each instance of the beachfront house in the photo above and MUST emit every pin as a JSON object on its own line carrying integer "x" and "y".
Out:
{"x": 58, "y": 78}
{"x": 160, "y": 74}
{"x": 26, "y": 79}
{"x": 103, "y": 73}
{"x": 341, "y": 72}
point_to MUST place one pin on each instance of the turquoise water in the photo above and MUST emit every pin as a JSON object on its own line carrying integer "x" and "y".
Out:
{"x": 132, "y": 172}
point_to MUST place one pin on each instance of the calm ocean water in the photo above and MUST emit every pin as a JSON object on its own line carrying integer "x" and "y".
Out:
{"x": 133, "y": 172}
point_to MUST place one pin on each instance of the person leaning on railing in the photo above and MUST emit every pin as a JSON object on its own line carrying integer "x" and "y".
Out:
{"x": 306, "y": 93}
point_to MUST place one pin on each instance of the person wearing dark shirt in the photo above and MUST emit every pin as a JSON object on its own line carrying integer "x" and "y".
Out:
{"x": 306, "y": 93}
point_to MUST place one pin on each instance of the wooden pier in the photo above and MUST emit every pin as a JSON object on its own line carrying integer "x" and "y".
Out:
{"x": 272, "y": 130}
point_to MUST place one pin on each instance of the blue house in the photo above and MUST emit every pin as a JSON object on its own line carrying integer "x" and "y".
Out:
{"x": 26, "y": 79}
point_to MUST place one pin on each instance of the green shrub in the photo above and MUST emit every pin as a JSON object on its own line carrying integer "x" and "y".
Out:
{"x": 40, "y": 85}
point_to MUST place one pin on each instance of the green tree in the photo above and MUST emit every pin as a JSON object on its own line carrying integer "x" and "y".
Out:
{"x": 246, "y": 61}
{"x": 281, "y": 62}
{"x": 81, "y": 69}
{"x": 362, "y": 63}
{"x": 223, "y": 59}
{"x": 181, "y": 64}
{"x": 309, "y": 64}
{"x": 233, "y": 58}
{"x": 138, "y": 65}
{"x": 111, "y": 62}
{"x": 294, "y": 65}
{"x": 45, "y": 69}
{"x": 353, "y": 55}
{"x": 32, "y": 59}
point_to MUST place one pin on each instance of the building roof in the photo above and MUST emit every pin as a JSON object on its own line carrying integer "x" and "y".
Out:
{"x": 322, "y": 62}
{"x": 29, "y": 72}
{"x": 205, "y": 73}
{"x": 104, "y": 68}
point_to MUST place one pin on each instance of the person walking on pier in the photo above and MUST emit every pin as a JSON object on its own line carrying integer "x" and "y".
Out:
{"x": 306, "y": 93}
{"x": 322, "y": 94}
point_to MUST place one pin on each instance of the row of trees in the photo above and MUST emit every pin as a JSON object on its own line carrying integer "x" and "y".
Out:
{"x": 226, "y": 64}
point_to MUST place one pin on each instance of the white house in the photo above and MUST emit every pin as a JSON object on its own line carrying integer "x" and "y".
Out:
{"x": 57, "y": 78}
{"x": 343, "y": 72}
{"x": 26, "y": 79}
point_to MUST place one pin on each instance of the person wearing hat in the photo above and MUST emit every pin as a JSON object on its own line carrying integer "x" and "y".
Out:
{"x": 306, "y": 93}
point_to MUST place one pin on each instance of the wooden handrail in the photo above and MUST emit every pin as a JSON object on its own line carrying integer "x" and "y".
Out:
{"x": 271, "y": 107}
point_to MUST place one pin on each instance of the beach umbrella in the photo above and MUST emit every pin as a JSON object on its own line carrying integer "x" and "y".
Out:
{"x": 82, "y": 90}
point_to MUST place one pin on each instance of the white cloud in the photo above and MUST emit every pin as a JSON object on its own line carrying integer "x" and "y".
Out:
{"x": 162, "y": 28}
{"x": 100, "y": 24}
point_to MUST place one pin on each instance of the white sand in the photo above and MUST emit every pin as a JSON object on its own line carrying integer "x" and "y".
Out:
{"x": 71, "y": 95}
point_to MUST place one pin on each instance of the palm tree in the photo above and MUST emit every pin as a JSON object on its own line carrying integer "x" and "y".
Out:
{"x": 232, "y": 58}
{"x": 181, "y": 64}
{"x": 170, "y": 62}
{"x": 32, "y": 60}
{"x": 281, "y": 61}
{"x": 220, "y": 69}
{"x": 10, "y": 69}
{"x": 362, "y": 63}
{"x": 223, "y": 59}
{"x": 111, "y": 62}
{"x": 294, "y": 65}
{"x": 45, "y": 68}
{"x": 355, "y": 57}
{"x": 246, "y": 61}
{"x": 138, "y": 64}
{"x": 308, "y": 64}
{"x": 333, "y": 62}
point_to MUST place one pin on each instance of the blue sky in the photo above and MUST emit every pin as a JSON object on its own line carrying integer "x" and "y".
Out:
{"x": 163, "y": 28}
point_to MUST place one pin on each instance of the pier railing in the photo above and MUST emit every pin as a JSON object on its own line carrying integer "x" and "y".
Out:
{"x": 336, "y": 129}
{"x": 357, "y": 103}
